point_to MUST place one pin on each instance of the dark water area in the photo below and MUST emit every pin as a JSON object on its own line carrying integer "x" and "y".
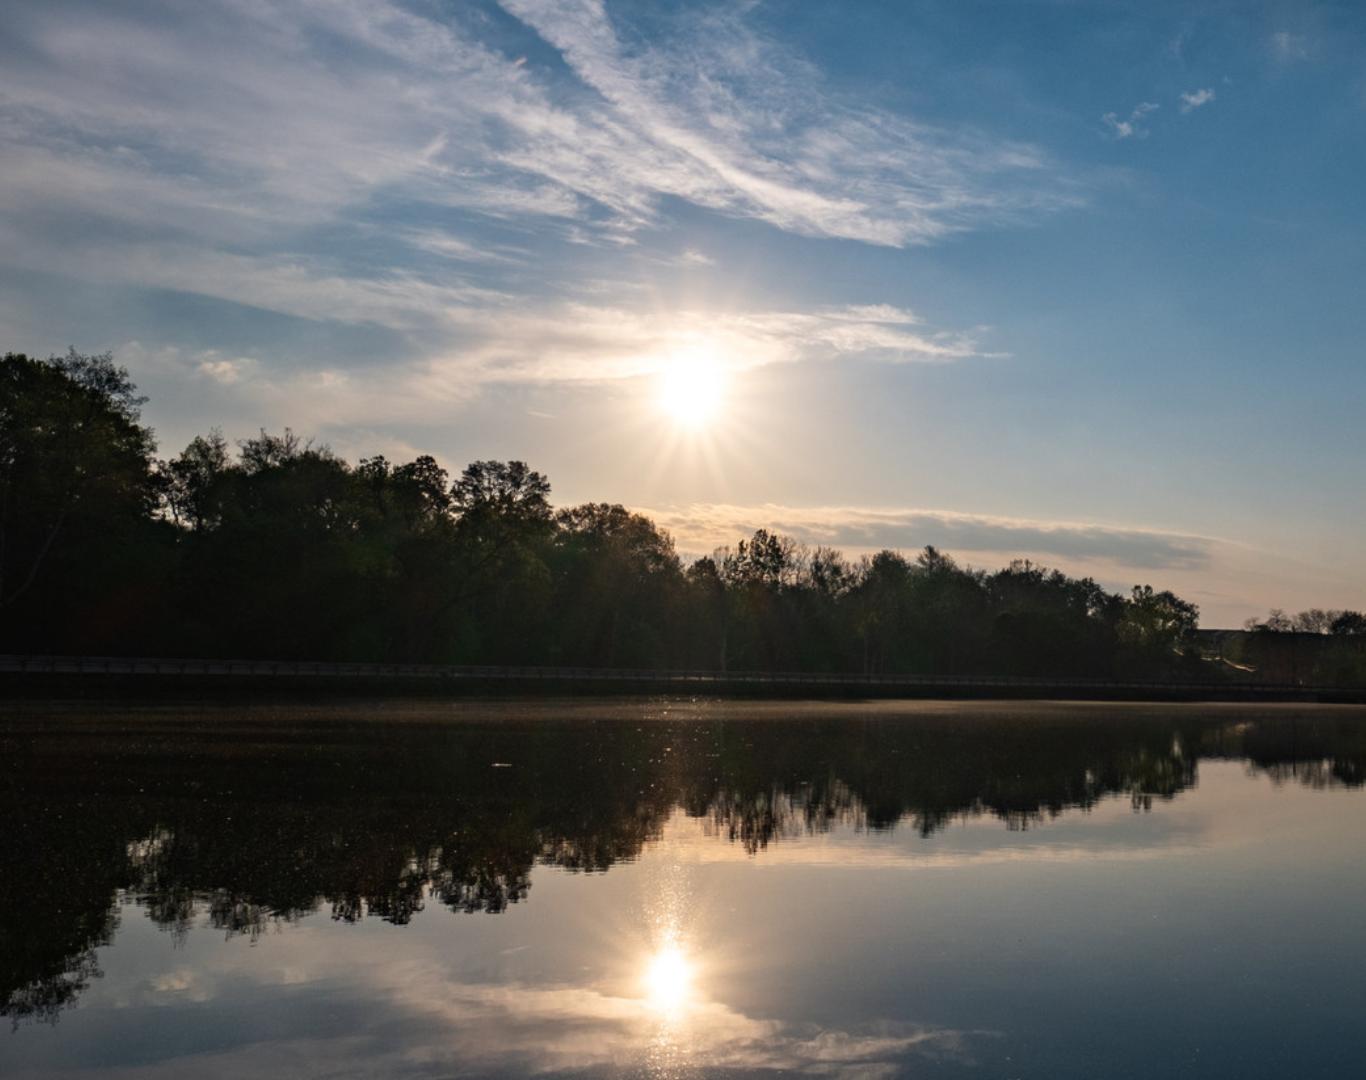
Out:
{"x": 664, "y": 888}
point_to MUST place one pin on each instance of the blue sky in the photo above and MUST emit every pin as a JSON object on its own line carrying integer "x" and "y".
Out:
{"x": 1079, "y": 281}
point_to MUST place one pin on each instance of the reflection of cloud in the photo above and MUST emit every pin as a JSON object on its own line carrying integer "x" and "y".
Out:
{"x": 703, "y": 527}
{"x": 447, "y": 1026}
{"x": 181, "y": 981}
{"x": 542, "y": 1030}
{"x": 692, "y": 842}
{"x": 817, "y": 852}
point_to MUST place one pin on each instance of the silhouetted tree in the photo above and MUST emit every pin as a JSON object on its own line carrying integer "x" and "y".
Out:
{"x": 504, "y": 524}
{"x": 81, "y": 553}
{"x": 1312, "y": 621}
{"x": 495, "y": 499}
{"x": 1277, "y": 622}
{"x": 194, "y": 482}
{"x": 1156, "y": 625}
{"x": 616, "y": 574}
{"x": 708, "y": 616}
{"x": 880, "y": 601}
{"x": 1348, "y": 623}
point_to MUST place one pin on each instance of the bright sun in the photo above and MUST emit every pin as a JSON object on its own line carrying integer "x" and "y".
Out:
{"x": 691, "y": 389}
{"x": 668, "y": 979}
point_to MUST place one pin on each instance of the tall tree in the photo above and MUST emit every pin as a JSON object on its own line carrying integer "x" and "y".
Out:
{"x": 617, "y": 579}
{"x": 78, "y": 489}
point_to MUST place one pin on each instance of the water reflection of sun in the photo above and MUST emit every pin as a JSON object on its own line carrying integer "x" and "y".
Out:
{"x": 668, "y": 980}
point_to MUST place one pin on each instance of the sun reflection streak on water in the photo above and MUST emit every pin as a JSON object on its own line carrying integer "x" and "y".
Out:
{"x": 670, "y": 972}
{"x": 668, "y": 985}
{"x": 668, "y": 980}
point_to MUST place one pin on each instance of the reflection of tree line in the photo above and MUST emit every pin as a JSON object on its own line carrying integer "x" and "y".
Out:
{"x": 252, "y": 827}
{"x": 1317, "y": 753}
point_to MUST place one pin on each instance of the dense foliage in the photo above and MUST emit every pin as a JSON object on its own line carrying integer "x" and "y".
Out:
{"x": 278, "y": 548}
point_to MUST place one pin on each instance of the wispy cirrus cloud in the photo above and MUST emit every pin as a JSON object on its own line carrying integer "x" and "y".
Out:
{"x": 258, "y": 114}
{"x": 355, "y": 163}
{"x": 727, "y": 119}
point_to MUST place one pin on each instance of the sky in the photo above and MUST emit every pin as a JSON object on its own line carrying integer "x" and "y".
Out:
{"x": 1075, "y": 281}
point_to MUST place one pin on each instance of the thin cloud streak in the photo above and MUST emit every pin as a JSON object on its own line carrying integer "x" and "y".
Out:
{"x": 496, "y": 343}
{"x": 586, "y": 343}
{"x": 570, "y": 343}
{"x": 702, "y": 527}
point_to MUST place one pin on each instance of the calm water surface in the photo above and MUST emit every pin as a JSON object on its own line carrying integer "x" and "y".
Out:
{"x": 660, "y": 888}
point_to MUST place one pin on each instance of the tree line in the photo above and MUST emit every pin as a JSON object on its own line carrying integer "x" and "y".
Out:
{"x": 277, "y": 548}
{"x": 1337, "y": 622}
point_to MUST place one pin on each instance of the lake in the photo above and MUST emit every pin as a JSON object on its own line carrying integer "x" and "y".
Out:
{"x": 661, "y": 888}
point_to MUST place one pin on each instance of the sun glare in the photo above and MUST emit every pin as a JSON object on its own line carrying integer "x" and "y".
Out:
{"x": 692, "y": 388}
{"x": 668, "y": 979}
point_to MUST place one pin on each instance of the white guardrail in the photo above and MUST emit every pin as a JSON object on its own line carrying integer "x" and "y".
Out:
{"x": 120, "y": 665}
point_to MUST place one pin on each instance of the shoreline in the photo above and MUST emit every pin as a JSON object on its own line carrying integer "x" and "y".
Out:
{"x": 158, "y": 678}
